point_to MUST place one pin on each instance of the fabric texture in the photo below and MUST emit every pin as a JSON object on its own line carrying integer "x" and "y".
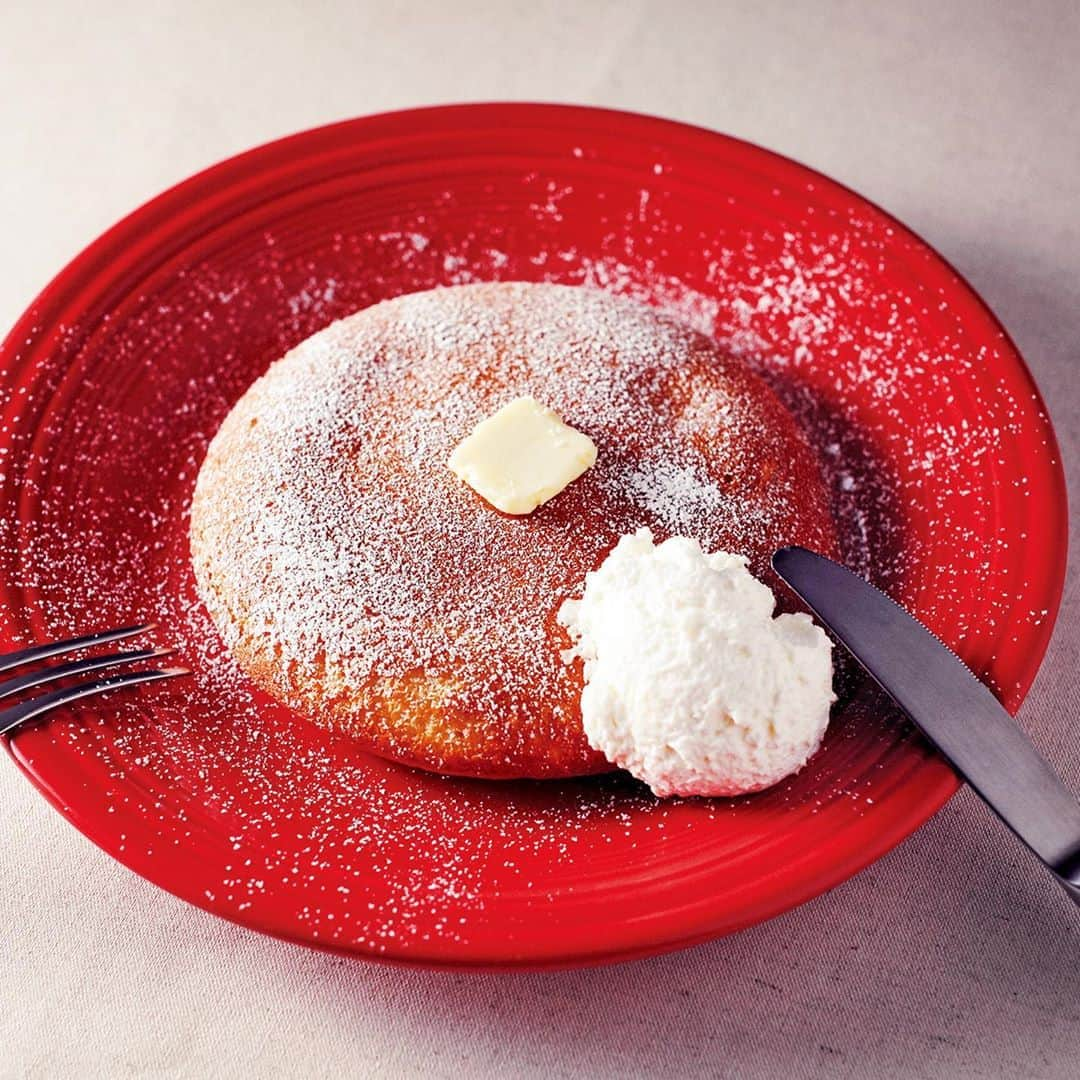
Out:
{"x": 954, "y": 956}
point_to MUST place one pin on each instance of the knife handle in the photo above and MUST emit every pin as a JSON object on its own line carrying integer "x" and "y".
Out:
{"x": 1067, "y": 873}
{"x": 1072, "y": 891}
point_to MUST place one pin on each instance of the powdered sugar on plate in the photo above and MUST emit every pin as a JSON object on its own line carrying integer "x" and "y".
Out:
{"x": 264, "y": 818}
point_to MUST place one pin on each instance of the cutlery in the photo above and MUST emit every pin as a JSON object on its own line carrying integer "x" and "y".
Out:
{"x": 16, "y": 715}
{"x": 955, "y": 711}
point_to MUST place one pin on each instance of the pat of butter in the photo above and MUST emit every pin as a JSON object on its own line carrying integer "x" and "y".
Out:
{"x": 522, "y": 456}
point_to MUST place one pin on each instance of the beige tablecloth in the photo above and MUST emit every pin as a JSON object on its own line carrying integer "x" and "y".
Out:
{"x": 951, "y": 957}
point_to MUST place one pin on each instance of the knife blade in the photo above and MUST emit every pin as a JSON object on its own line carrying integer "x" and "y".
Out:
{"x": 955, "y": 711}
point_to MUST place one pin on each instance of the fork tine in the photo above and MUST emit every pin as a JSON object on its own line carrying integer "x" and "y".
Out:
{"x": 77, "y": 667}
{"x": 55, "y": 648}
{"x": 12, "y": 717}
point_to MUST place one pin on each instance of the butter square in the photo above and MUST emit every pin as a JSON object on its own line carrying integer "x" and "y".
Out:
{"x": 522, "y": 456}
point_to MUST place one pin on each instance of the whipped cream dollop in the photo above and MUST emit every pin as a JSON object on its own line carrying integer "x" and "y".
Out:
{"x": 692, "y": 685}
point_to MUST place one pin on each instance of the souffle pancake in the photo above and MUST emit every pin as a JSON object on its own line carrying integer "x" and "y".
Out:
{"x": 356, "y": 578}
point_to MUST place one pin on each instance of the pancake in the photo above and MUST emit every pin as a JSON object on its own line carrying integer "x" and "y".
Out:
{"x": 356, "y": 579}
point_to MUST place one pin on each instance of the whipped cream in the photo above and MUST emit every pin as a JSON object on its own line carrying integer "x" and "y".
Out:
{"x": 691, "y": 684}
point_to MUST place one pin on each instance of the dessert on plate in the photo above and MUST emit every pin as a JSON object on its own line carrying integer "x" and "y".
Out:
{"x": 358, "y": 578}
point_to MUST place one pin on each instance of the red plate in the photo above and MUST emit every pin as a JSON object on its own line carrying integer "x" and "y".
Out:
{"x": 943, "y": 460}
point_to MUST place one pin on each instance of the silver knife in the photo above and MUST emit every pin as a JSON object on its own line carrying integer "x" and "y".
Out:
{"x": 959, "y": 715}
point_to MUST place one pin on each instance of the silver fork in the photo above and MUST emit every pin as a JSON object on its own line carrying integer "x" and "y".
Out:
{"x": 12, "y": 717}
